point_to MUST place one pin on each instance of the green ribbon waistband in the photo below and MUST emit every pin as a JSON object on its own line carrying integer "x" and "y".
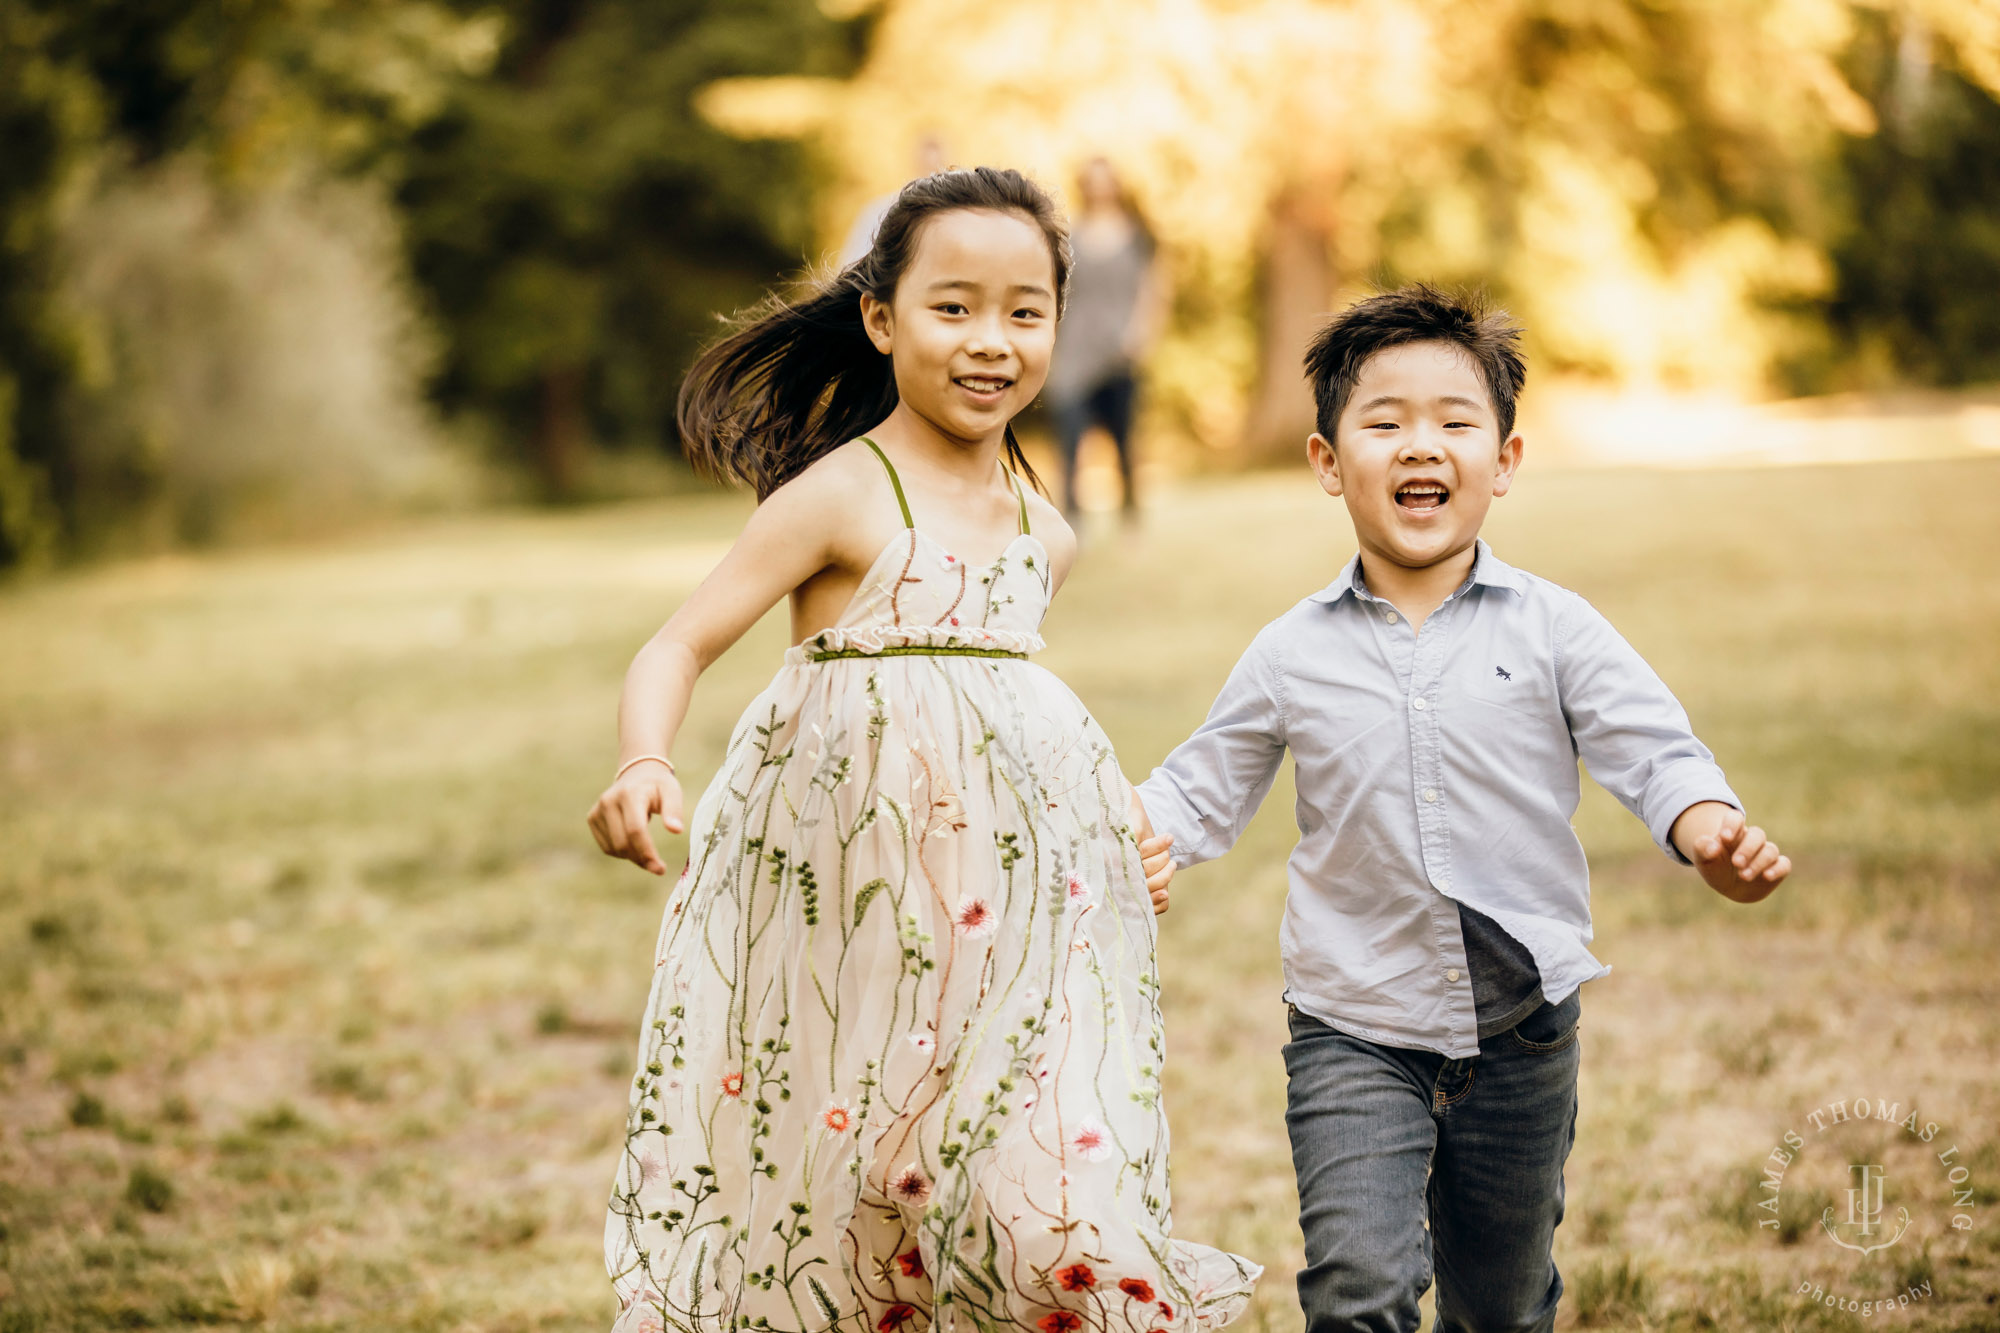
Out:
{"x": 910, "y": 650}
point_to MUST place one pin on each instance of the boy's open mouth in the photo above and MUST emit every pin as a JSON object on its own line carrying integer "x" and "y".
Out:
{"x": 1422, "y": 495}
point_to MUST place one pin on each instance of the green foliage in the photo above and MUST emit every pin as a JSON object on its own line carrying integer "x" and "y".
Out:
{"x": 1918, "y": 262}
{"x": 572, "y": 220}
{"x": 577, "y": 224}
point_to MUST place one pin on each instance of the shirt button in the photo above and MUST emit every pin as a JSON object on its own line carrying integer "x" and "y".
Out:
{"x": 1419, "y": 704}
{"x": 1451, "y": 975}
{"x": 1393, "y": 617}
{"x": 1431, "y": 795}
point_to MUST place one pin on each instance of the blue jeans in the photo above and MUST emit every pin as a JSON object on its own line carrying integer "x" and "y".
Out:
{"x": 1410, "y": 1163}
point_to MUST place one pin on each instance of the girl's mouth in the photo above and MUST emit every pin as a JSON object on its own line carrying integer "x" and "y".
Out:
{"x": 983, "y": 386}
{"x": 1422, "y": 496}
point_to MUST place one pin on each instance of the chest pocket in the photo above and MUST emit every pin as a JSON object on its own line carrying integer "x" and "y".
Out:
{"x": 1526, "y": 689}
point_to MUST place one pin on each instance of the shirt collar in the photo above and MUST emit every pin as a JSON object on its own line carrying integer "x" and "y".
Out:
{"x": 1488, "y": 570}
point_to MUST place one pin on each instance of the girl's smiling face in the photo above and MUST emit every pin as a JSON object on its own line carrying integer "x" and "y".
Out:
{"x": 1418, "y": 455}
{"x": 973, "y": 322}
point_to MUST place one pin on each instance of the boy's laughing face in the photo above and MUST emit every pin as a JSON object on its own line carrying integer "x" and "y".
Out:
{"x": 1417, "y": 454}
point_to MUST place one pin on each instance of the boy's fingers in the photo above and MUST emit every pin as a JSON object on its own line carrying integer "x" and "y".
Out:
{"x": 1732, "y": 827}
{"x": 1777, "y": 873}
{"x": 1767, "y": 856}
{"x": 1748, "y": 846}
{"x": 1159, "y": 901}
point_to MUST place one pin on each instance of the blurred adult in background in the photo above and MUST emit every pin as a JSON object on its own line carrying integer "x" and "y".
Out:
{"x": 929, "y": 161}
{"x": 1116, "y": 300}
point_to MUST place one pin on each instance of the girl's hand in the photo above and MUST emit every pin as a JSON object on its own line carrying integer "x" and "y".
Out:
{"x": 619, "y": 819}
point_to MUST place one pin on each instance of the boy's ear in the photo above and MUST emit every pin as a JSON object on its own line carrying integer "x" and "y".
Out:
{"x": 878, "y": 322}
{"x": 1510, "y": 461}
{"x": 1325, "y": 464}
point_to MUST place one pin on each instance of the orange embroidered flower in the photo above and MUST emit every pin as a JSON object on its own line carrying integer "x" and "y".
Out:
{"x": 837, "y": 1118}
{"x": 732, "y": 1083}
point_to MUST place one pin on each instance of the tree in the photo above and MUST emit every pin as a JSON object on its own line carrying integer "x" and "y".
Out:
{"x": 577, "y": 223}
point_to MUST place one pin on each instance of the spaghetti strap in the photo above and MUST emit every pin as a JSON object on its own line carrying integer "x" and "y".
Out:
{"x": 1020, "y": 496}
{"x": 897, "y": 482}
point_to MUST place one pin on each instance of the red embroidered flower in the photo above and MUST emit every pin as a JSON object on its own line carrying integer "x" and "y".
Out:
{"x": 1077, "y": 1277}
{"x": 1166, "y": 1311}
{"x": 912, "y": 1262}
{"x": 1136, "y": 1287}
{"x": 895, "y": 1317}
{"x": 732, "y": 1084}
{"x": 1059, "y": 1321}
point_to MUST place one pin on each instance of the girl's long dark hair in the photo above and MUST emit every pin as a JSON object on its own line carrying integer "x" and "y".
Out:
{"x": 796, "y": 378}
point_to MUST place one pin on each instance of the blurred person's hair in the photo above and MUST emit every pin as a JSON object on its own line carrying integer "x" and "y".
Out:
{"x": 1412, "y": 314}
{"x": 797, "y": 377}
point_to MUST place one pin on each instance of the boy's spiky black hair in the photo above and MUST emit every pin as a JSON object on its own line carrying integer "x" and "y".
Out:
{"x": 1416, "y": 313}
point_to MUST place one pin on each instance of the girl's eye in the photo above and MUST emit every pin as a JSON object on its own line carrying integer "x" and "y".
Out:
{"x": 951, "y": 308}
{"x": 1026, "y": 312}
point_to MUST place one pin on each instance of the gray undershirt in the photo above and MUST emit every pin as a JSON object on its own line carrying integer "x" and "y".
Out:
{"x": 1506, "y": 985}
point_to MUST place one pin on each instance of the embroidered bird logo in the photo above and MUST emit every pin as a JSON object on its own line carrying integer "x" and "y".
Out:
{"x": 1503, "y": 673}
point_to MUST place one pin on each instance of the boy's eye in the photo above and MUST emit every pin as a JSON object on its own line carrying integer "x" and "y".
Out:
{"x": 1383, "y": 425}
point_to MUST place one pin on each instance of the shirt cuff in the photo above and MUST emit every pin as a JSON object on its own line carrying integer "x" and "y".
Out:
{"x": 1172, "y": 815}
{"x": 1686, "y": 783}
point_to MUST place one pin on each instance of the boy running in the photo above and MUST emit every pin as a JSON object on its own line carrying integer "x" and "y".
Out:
{"x": 1435, "y": 702}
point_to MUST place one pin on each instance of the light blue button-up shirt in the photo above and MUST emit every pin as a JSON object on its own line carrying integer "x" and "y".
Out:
{"x": 1433, "y": 769}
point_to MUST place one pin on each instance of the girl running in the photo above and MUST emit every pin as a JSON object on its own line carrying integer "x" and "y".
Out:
{"x": 901, "y": 1060}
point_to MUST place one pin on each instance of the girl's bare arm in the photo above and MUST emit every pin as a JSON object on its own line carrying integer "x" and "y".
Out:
{"x": 792, "y": 536}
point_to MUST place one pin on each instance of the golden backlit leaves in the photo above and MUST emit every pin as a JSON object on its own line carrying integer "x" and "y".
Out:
{"x": 1588, "y": 160}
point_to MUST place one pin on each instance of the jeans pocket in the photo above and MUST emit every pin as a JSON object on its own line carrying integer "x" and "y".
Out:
{"x": 1551, "y": 1028}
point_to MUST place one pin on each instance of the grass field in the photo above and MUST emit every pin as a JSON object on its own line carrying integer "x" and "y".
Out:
{"x": 317, "y": 1004}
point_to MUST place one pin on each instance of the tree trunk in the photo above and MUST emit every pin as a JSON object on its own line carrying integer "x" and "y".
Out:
{"x": 1297, "y": 289}
{"x": 560, "y": 433}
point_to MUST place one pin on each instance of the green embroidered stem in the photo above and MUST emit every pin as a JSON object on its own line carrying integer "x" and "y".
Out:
{"x": 909, "y": 650}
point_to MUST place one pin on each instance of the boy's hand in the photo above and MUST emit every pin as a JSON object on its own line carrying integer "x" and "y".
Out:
{"x": 1159, "y": 867}
{"x": 618, "y": 821}
{"x": 1736, "y": 859}
{"x": 1153, "y": 857}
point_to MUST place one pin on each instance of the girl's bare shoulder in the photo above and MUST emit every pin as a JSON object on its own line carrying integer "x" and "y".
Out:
{"x": 844, "y": 496}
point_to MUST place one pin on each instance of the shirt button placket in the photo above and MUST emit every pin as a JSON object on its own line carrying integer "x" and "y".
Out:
{"x": 1428, "y": 749}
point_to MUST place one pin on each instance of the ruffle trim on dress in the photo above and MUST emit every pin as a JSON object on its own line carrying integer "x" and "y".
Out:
{"x": 870, "y": 639}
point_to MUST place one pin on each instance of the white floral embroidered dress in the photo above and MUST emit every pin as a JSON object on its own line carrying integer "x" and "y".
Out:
{"x": 901, "y": 1060}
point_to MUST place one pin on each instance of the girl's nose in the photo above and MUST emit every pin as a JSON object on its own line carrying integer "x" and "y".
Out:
{"x": 988, "y": 338}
